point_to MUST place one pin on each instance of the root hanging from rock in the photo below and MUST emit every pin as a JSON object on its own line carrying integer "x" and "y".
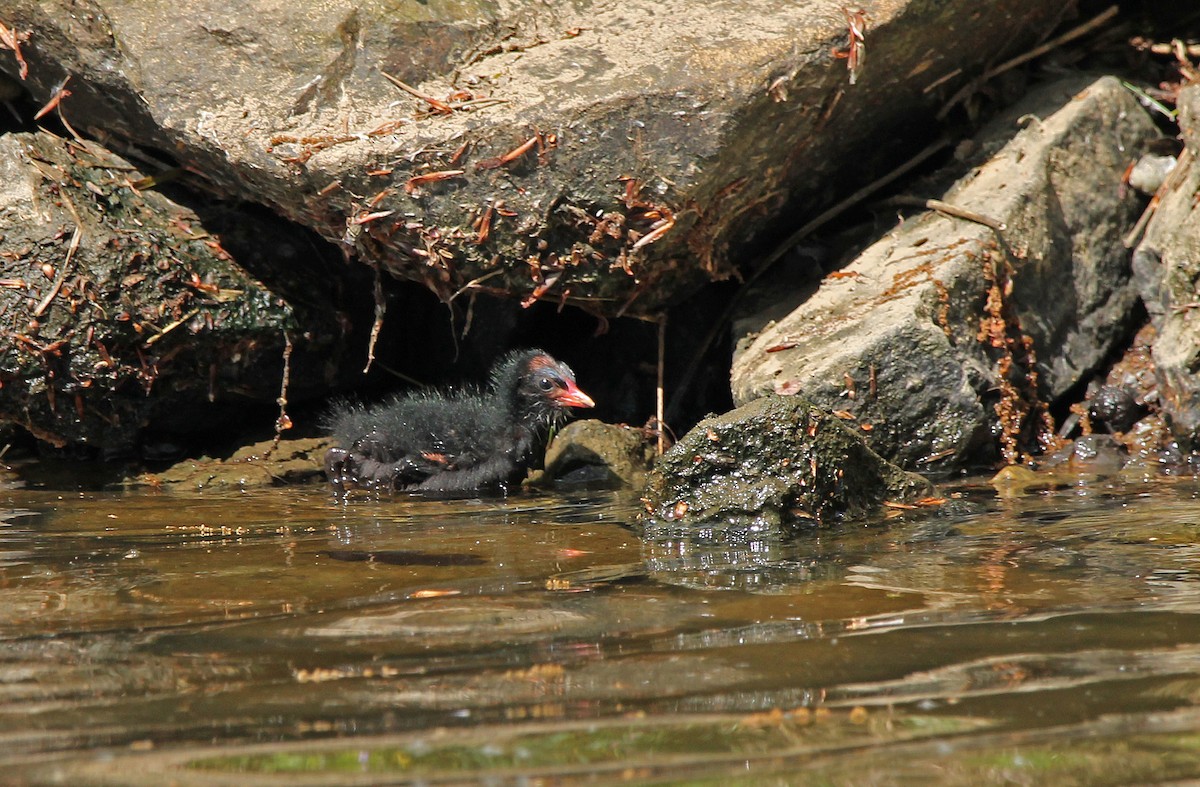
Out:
{"x": 284, "y": 421}
{"x": 1020, "y": 406}
{"x": 377, "y": 325}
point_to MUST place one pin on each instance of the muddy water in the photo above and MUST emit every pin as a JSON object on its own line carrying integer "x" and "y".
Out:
{"x": 281, "y": 638}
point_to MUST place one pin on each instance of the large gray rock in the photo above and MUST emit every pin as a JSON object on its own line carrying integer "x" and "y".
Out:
{"x": 1167, "y": 266}
{"x": 914, "y": 335}
{"x": 662, "y": 133}
{"x": 121, "y": 314}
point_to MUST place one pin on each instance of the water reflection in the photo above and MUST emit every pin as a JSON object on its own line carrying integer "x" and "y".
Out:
{"x": 763, "y": 560}
{"x": 240, "y": 636}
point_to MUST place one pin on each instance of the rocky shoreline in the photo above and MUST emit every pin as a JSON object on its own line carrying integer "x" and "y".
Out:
{"x": 191, "y": 252}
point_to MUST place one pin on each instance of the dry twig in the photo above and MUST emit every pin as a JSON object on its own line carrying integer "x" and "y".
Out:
{"x": 62, "y": 273}
{"x": 1075, "y": 32}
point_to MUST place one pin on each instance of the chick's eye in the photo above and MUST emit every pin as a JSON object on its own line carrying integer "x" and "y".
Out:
{"x": 545, "y": 384}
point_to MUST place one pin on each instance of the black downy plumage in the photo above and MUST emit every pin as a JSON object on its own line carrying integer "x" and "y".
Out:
{"x": 458, "y": 441}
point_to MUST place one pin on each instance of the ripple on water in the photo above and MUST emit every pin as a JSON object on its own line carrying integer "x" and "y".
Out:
{"x": 147, "y": 639}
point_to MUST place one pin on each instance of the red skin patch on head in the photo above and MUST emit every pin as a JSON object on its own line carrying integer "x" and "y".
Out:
{"x": 569, "y": 396}
{"x": 541, "y": 362}
{"x": 439, "y": 459}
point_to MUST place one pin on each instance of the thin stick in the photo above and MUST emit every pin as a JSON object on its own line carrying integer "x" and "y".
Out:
{"x": 440, "y": 106}
{"x": 473, "y": 283}
{"x": 1037, "y": 51}
{"x": 1054, "y": 43}
{"x": 468, "y": 319}
{"x": 63, "y": 270}
{"x": 69, "y": 204}
{"x": 172, "y": 326}
{"x": 284, "y": 421}
{"x": 659, "y": 392}
{"x": 401, "y": 375}
{"x": 1149, "y": 101}
{"x": 955, "y": 212}
{"x": 946, "y": 209}
{"x": 377, "y": 325}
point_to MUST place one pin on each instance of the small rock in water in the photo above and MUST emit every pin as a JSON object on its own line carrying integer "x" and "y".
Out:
{"x": 779, "y": 460}
{"x": 1116, "y": 408}
{"x": 1150, "y": 171}
{"x": 593, "y": 453}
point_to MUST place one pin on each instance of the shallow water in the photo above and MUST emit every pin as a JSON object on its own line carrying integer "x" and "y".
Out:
{"x": 282, "y": 638}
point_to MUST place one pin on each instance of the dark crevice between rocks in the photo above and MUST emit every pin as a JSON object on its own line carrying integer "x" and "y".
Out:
{"x": 204, "y": 398}
{"x": 423, "y": 341}
{"x": 617, "y": 367}
{"x": 16, "y": 107}
{"x": 1076, "y": 398}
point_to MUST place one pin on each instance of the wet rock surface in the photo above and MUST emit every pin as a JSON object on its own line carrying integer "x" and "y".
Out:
{"x": 1117, "y": 433}
{"x": 262, "y": 464}
{"x": 593, "y": 453}
{"x": 123, "y": 316}
{"x": 947, "y": 330}
{"x": 1115, "y": 408}
{"x": 611, "y": 156}
{"x": 504, "y": 154}
{"x": 1167, "y": 265}
{"x": 777, "y": 461}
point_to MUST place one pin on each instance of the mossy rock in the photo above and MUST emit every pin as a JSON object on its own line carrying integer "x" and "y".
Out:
{"x": 775, "y": 461}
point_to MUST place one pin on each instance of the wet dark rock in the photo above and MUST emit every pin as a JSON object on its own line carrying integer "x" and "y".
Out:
{"x": 1167, "y": 265}
{"x": 124, "y": 320}
{"x": 1115, "y": 408}
{"x": 911, "y": 336}
{"x": 776, "y": 461}
{"x": 1126, "y": 404}
{"x": 593, "y": 453}
{"x": 715, "y": 113}
{"x": 262, "y": 464}
{"x": 1096, "y": 454}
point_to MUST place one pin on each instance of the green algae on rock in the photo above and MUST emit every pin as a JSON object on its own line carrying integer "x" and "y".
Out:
{"x": 775, "y": 461}
{"x": 263, "y": 464}
{"x": 594, "y": 453}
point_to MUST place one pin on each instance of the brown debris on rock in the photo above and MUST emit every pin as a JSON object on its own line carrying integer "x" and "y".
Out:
{"x": 120, "y": 313}
{"x": 263, "y": 464}
{"x": 1167, "y": 265}
{"x": 632, "y": 158}
{"x": 980, "y": 312}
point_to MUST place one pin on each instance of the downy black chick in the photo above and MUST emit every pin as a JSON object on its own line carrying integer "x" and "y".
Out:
{"x": 458, "y": 441}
